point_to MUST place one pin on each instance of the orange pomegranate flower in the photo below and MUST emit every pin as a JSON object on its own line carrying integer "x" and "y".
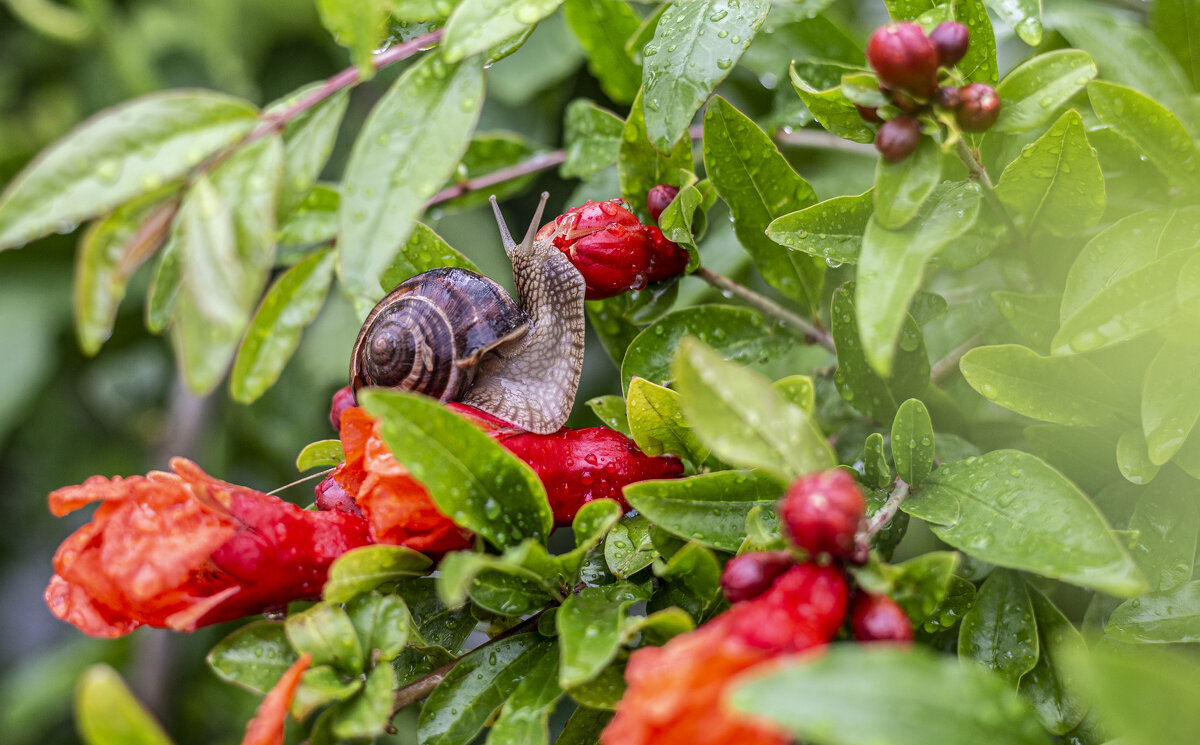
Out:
{"x": 266, "y": 728}
{"x": 182, "y": 550}
{"x": 676, "y": 692}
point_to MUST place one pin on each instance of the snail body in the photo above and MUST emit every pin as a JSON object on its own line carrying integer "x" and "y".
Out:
{"x": 456, "y": 335}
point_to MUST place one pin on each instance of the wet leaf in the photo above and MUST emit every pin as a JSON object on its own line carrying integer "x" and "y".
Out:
{"x": 1053, "y": 685}
{"x": 107, "y": 713}
{"x": 1000, "y": 631}
{"x": 602, "y": 28}
{"x": 593, "y": 136}
{"x": 657, "y": 424}
{"x": 1167, "y": 617}
{"x": 831, "y": 230}
{"x": 1034, "y": 91}
{"x": 912, "y": 442}
{"x": 710, "y": 508}
{"x": 640, "y": 166}
{"x": 590, "y": 624}
{"x": 1157, "y": 132}
{"x": 901, "y": 188}
{"x": 1023, "y": 16}
{"x": 363, "y": 569}
{"x": 475, "y": 26}
{"x": 359, "y": 26}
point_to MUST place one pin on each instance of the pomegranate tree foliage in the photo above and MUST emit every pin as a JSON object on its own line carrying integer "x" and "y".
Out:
{"x": 1012, "y": 343}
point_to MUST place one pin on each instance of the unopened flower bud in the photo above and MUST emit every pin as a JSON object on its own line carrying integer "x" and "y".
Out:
{"x": 869, "y": 114}
{"x": 342, "y": 400}
{"x": 980, "y": 107}
{"x": 898, "y": 138}
{"x": 821, "y": 513}
{"x": 658, "y": 199}
{"x": 606, "y": 243}
{"x": 750, "y": 575}
{"x": 904, "y": 58}
{"x": 950, "y": 39}
{"x": 877, "y": 618}
{"x": 947, "y": 97}
{"x": 667, "y": 259}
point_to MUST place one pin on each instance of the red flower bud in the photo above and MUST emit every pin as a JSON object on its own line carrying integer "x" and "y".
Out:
{"x": 898, "y": 138}
{"x": 750, "y": 575}
{"x": 185, "y": 550}
{"x": 658, "y": 198}
{"x": 606, "y": 243}
{"x": 947, "y": 97}
{"x": 877, "y": 618}
{"x": 667, "y": 259}
{"x": 869, "y": 114}
{"x": 342, "y": 400}
{"x": 330, "y": 496}
{"x": 950, "y": 39}
{"x": 821, "y": 513}
{"x": 904, "y": 58}
{"x": 980, "y": 107}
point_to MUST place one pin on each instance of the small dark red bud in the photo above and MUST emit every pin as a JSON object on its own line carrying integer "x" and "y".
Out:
{"x": 750, "y": 575}
{"x": 342, "y": 400}
{"x": 667, "y": 259}
{"x": 904, "y": 58}
{"x": 869, "y": 114}
{"x": 658, "y": 199}
{"x": 903, "y": 101}
{"x": 980, "y": 107}
{"x": 897, "y": 139}
{"x": 331, "y": 497}
{"x": 877, "y": 618}
{"x": 948, "y": 98}
{"x": 950, "y": 39}
{"x": 821, "y": 512}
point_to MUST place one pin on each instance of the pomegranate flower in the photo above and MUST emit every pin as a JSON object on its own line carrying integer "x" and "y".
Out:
{"x": 676, "y": 692}
{"x": 185, "y": 550}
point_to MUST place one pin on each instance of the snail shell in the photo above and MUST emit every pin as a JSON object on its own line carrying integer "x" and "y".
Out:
{"x": 429, "y": 334}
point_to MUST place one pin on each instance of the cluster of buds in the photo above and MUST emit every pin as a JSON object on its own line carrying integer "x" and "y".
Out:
{"x": 613, "y": 251}
{"x": 908, "y": 62}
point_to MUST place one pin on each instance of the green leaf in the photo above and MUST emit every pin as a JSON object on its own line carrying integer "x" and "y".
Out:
{"x": 979, "y": 64}
{"x": 759, "y": 185}
{"x": 475, "y": 26}
{"x": 876, "y": 471}
{"x": 919, "y": 585}
{"x": 1033, "y": 317}
{"x": 1170, "y": 400}
{"x": 109, "y": 253}
{"x": 423, "y": 251}
{"x": 382, "y": 623}
{"x": 525, "y": 717}
{"x": 892, "y": 265}
{"x": 368, "y": 714}
{"x": 710, "y": 508}
{"x": 325, "y": 631}
{"x": 611, "y": 410}
{"x": 641, "y": 167}
{"x": 859, "y": 694}
{"x": 290, "y": 305}
{"x": 1065, "y": 390}
{"x": 477, "y": 686}
{"x": 1146, "y": 697}
{"x": 314, "y": 221}
{"x": 363, "y": 569}
{"x": 584, "y": 726}
{"x": 1152, "y": 127}
{"x": 320, "y": 453}
{"x": 901, "y": 188}
{"x": 912, "y": 442}
{"x": 684, "y": 219}
{"x": 695, "y": 46}
{"x": 1167, "y": 522}
{"x": 589, "y": 627}
{"x": 857, "y": 381}
{"x": 359, "y": 26}
{"x": 1000, "y": 631}
{"x": 468, "y": 475}
{"x": 593, "y": 134}
{"x": 739, "y": 334}
{"x": 1023, "y": 16}
{"x": 1009, "y": 508}
{"x": 116, "y": 156}
{"x": 308, "y": 141}
{"x": 831, "y": 108}
{"x": 798, "y": 390}
{"x": 1034, "y": 91}
{"x": 521, "y": 581}
{"x": 602, "y": 27}
{"x": 657, "y": 425}
{"x": 692, "y": 582}
{"x": 1167, "y": 617}
{"x": 831, "y": 230}
{"x": 1056, "y": 186}
{"x": 409, "y": 145}
{"x": 1137, "y": 303}
{"x": 1133, "y": 457}
{"x": 1176, "y": 23}
{"x": 319, "y": 687}
{"x": 743, "y": 420}
{"x": 106, "y": 712}
{"x": 1053, "y": 686}
{"x": 255, "y": 656}
{"x": 628, "y": 548}
{"x": 441, "y": 631}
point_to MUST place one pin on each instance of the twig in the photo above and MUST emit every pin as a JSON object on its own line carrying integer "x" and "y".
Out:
{"x": 944, "y": 367}
{"x": 420, "y": 688}
{"x": 878, "y": 521}
{"x": 533, "y": 165}
{"x": 299, "y": 481}
{"x": 812, "y": 138}
{"x": 980, "y": 176}
{"x": 766, "y": 305}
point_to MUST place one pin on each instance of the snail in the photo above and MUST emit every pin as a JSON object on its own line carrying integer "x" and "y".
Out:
{"x": 456, "y": 335}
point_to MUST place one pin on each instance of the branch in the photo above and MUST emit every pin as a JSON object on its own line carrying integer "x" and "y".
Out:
{"x": 980, "y": 176}
{"x": 732, "y": 289}
{"x": 878, "y": 521}
{"x": 817, "y": 139}
{"x": 533, "y": 165}
{"x": 944, "y": 367}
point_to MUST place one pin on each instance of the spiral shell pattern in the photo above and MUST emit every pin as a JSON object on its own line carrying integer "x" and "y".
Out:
{"x": 429, "y": 334}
